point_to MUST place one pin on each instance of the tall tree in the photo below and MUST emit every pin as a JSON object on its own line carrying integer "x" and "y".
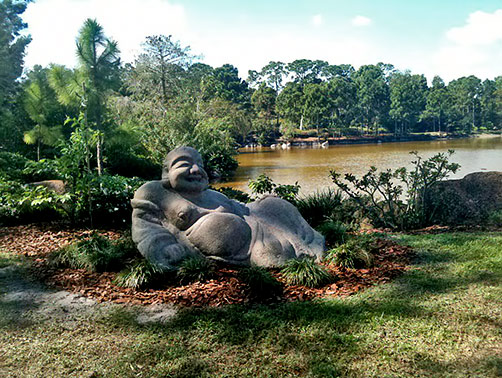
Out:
{"x": 99, "y": 61}
{"x": 12, "y": 46}
{"x": 408, "y": 97}
{"x": 436, "y": 104}
{"x": 43, "y": 109}
{"x": 341, "y": 92}
{"x": 165, "y": 62}
{"x": 290, "y": 104}
{"x": 372, "y": 96}
{"x": 465, "y": 94}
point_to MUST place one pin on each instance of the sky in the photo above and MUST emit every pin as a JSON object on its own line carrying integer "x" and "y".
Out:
{"x": 449, "y": 38}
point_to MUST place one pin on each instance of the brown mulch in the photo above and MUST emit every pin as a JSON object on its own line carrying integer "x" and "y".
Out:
{"x": 37, "y": 241}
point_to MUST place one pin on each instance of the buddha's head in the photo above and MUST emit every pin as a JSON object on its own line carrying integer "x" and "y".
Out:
{"x": 184, "y": 171}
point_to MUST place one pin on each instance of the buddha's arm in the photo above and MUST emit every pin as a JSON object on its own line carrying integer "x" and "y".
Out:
{"x": 153, "y": 239}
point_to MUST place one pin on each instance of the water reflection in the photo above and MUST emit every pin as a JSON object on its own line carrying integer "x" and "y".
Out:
{"x": 311, "y": 166}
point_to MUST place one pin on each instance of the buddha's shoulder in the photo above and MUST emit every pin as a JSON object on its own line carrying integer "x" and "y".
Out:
{"x": 151, "y": 191}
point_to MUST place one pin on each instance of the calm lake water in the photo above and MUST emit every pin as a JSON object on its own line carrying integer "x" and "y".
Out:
{"x": 310, "y": 166}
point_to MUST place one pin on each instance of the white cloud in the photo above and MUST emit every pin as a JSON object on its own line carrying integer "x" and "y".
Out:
{"x": 474, "y": 48}
{"x": 361, "y": 21}
{"x": 481, "y": 29}
{"x": 317, "y": 20}
{"x": 54, "y": 25}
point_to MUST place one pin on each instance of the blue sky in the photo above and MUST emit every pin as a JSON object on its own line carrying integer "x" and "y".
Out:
{"x": 444, "y": 37}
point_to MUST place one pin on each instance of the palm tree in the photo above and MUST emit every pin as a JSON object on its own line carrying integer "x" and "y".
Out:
{"x": 99, "y": 62}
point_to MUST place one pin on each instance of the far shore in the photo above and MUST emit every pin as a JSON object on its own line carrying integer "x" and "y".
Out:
{"x": 366, "y": 139}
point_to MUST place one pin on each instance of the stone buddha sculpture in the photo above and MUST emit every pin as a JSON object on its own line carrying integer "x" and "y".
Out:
{"x": 178, "y": 217}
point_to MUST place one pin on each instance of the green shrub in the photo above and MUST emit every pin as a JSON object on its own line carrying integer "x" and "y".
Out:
{"x": 95, "y": 254}
{"x": 264, "y": 185}
{"x": 195, "y": 269}
{"x": 355, "y": 253}
{"x": 495, "y": 218}
{"x": 12, "y": 165}
{"x": 141, "y": 273}
{"x": 44, "y": 169}
{"x": 396, "y": 198}
{"x": 111, "y": 197}
{"x": 334, "y": 232}
{"x": 305, "y": 272}
{"x": 22, "y": 203}
{"x": 260, "y": 282}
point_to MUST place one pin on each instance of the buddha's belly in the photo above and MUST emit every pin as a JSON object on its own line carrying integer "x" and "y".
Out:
{"x": 220, "y": 234}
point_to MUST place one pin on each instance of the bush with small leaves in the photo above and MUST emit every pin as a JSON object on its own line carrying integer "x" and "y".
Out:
{"x": 195, "y": 269}
{"x": 305, "y": 272}
{"x": 141, "y": 273}
{"x": 260, "y": 282}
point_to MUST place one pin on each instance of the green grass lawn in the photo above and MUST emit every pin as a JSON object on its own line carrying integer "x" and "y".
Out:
{"x": 443, "y": 318}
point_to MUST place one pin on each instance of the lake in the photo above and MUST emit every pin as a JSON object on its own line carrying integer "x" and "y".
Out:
{"x": 310, "y": 166}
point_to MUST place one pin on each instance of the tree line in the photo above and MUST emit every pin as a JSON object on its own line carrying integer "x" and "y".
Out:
{"x": 138, "y": 111}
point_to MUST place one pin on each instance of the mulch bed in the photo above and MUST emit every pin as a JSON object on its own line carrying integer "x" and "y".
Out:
{"x": 37, "y": 241}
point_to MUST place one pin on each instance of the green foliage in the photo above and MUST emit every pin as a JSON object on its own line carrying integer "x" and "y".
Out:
{"x": 195, "y": 269}
{"x": 495, "y": 218}
{"x": 95, "y": 254}
{"x": 111, "y": 196}
{"x": 395, "y": 199}
{"x": 235, "y": 194}
{"x": 305, "y": 272}
{"x": 21, "y": 203}
{"x": 354, "y": 253}
{"x": 140, "y": 274}
{"x": 335, "y": 232}
{"x": 260, "y": 282}
{"x": 264, "y": 185}
{"x": 44, "y": 169}
{"x": 11, "y": 165}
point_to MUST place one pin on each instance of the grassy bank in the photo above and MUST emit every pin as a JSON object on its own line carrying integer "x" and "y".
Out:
{"x": 442, "y": 318}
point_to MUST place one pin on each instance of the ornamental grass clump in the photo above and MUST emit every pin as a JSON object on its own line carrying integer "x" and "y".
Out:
{"x": 95, "y": 254}
{"x": 334, "y": 232}
{"x": 319, "y": 206}
{"x": 305, "y": 272}
{"x": 195, "y": 269}
{"x": 260, "y": 282}
{"x": 139, "y": 274}
{"x": 355, "y": 253}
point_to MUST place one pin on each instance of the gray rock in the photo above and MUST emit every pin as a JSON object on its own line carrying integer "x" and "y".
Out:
{"x": 178, "y": 217}
{"x": 473, "y": 199}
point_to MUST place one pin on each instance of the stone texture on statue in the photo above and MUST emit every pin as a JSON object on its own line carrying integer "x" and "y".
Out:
{"x": 178, "y": 217}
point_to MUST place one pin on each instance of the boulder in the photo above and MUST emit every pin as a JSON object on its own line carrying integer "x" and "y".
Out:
{"x": 474, "y": 199}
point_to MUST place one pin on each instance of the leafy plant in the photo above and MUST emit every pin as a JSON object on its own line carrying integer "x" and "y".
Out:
{"x": 264, "y": 185}
{"x": 395, "y": 199}
{"x": 195, "y": 269}
{"x": 260, "y": 282}
{"x": 305, "y": 272}
{"x": 317, "y": 207}
{"x": 140, "y": 274}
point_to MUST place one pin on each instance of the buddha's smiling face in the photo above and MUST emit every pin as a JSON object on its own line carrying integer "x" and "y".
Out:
{"x": 186, "y": 171}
